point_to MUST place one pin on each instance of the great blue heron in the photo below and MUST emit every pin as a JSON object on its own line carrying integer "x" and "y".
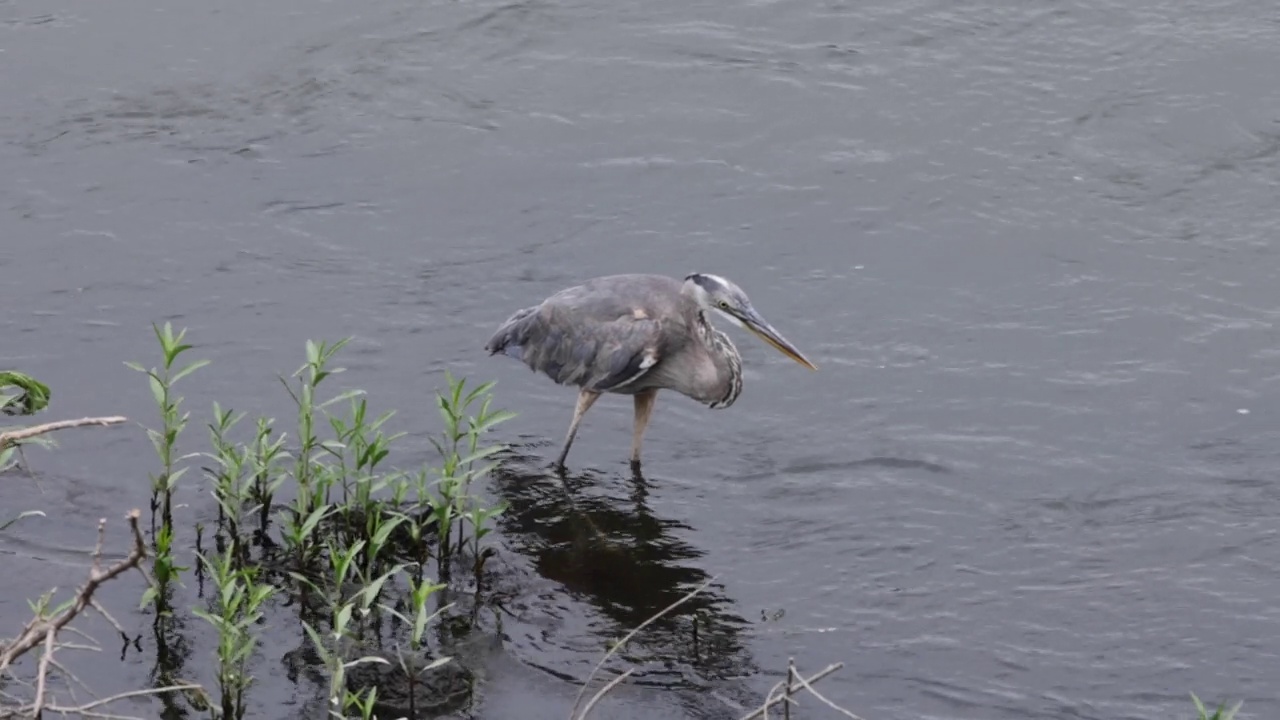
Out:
{"x": 636, "y": 335}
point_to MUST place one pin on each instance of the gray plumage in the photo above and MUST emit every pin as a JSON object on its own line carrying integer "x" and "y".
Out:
{"x": 634, "y": 335}
{"x": 624, "y": 334}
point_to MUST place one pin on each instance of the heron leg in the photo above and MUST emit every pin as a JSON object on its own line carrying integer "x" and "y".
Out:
{"x": 586, "y": 398}
{"x": 644, "y": 408}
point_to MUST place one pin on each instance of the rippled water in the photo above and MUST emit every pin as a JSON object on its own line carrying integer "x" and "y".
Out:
{"x": 1031, "y": 245}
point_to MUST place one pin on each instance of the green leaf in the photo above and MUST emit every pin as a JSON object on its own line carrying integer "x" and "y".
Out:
{"x": 394, "y": 612}
{"x": 342, "y": 618}
{"x": 370, "y": 592}
{"x": 21, "y": 516}
{"x": 446, "y": 412}
{"x": 188, "y": 370}
{"x": 384, "y": 531}
{"x": 321, "y": 650}
{"x": 457, "y": 392}
{"x": 339, "y": 398}
{"x": 478, "y": 392}
{"x": 480, "y": 454}
{"x": 175, "y": 351}
{"x": 435, "y": 664}
{"x": 157, "y": 389}
{"x": 499, "y": 417}
{"x": 33, "y": 398}
{"x": 314, "y": 519}
{"x": 366, "y": 659}
{"x": 304, "y": 580}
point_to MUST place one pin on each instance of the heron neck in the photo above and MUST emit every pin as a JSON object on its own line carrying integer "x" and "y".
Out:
{"x": 727, "y": 384}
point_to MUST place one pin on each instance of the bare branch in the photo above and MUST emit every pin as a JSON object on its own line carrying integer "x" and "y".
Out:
{"x": 41, "y": 628}
{"x": 763, "y": 710}
{"x": 42, "y": 674}
{"x": 84, "y": 709}
{"x": 604, "y": 691}
{"x": 114, "y": 623}
{"x": 775, "y": 696}
{"x": 14, "y": 436}
{"x": 573, "y": 714}
{"x": 85, "y": 636}
{"x": 820, "y": 696}
{"x": 74, "y": 680}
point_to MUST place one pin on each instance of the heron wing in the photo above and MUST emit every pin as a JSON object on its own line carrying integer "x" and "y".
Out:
{"x": 588, "y": 336}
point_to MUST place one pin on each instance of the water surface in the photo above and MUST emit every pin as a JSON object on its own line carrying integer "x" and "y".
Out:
{"x": 1030, "y": 245}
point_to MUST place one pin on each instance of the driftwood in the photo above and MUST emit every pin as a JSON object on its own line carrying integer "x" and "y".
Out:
{"x": 15, "y": 436}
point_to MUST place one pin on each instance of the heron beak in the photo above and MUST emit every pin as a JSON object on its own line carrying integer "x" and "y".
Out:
{"x": 762, "y": 328}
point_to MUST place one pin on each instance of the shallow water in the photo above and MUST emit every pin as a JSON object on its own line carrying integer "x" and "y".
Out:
{"x": 1030, "y": 245}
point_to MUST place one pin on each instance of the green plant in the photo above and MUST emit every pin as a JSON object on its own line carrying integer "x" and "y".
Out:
{"x": 459, "y": 449}
{"x": 350, "y": 529}
{"x": 21, "y": 394}
{"x": 310, "y": 376}
{"x": 236, "y": 609}
{"x": 19, "y": 517}
{"x": 411, "y": 663}
{"x": 165, "y": 440}
{"x": 232, "y": 478}
{"x": 1222, "y": 713}
{"x": 330, "y": 649}
{"x": 312, "y": 474}
{"x": 164, "y": 573}
{"x": 165, "y": 569}
{"x": 297, "y": 534}
{"x": 266, "y": 455}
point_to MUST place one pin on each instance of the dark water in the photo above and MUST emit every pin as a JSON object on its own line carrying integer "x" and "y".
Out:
{"x": 1031, "y": 245}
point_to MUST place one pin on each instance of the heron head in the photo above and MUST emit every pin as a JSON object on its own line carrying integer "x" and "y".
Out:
{"x": 716, "y": 294}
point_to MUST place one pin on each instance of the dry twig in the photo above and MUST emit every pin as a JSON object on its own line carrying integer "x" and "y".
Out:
{"x": 781, "y": 692}
{"x": 43, "y": 629}
{"x": 87, "y": 707}
{"x": 763, "y": 710}
{"x": 14, "y": 436}
{"x": 604, "y": 691}
{"x": 823, "y": 698}
{"x": 574, "y": 715}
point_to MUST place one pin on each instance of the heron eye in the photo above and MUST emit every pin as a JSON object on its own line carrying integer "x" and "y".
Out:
{"x": 724, "y": 305}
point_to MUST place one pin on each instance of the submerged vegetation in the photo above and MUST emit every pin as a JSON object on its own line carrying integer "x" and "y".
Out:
{"x": 382, "y": 571}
